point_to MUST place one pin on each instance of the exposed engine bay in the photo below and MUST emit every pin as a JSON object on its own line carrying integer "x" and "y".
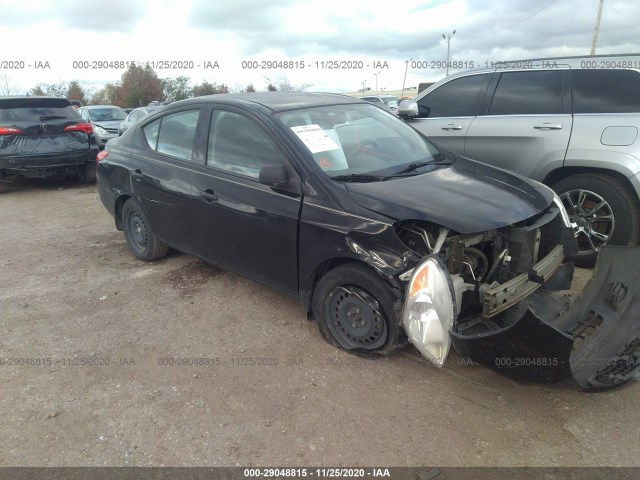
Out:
{"x": 491, "y": 294}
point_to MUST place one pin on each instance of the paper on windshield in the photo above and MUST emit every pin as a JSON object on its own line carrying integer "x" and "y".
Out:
{"x": 315, "y": 138}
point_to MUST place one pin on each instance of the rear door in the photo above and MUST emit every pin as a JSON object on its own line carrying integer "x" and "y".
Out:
{"x": 525, "y": 122}
{"x": 161, "y": 171}
{"x": 242, "y": 224}
{"x": 446, "y": 112}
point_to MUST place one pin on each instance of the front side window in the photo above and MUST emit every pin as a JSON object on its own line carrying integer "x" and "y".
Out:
{"x": 239, "y": 144}
{"x": 528, "y": 93}
{"x": 173, "y": 134}
{"x": 606, "y": 91}
{"x": 357, "y": 139}
{"x": 457, "y": 98}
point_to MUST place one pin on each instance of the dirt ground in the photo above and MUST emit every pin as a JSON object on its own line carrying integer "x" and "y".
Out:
{"x": 88, "y": 333}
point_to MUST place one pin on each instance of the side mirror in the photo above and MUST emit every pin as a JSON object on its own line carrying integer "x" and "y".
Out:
{"x": 273, "y": 175}
{"x": 408, "y": 109}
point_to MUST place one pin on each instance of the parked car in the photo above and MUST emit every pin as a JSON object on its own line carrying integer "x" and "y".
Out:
{"x": 380, "y": 234}
{"x": 105, "y": 120}
{"x": 134, "y": 116}
{"x": 571, "y": 128}
{"x": 391, "y": 101}
{"x": 42, "y": 137}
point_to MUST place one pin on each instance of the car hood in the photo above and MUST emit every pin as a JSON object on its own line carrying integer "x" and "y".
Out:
{"x": 466, "y": 196}
{"x": 109, "y": 123}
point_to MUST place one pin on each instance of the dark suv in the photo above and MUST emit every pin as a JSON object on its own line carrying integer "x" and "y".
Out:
{"x": 43, "y": 137}
{"x": 575, "y": 129}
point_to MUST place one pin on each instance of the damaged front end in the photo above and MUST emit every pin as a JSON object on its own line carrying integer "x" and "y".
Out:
{"x": 495, "y": 296}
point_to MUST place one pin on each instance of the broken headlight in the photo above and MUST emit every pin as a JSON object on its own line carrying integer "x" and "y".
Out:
{"x": 430, "y": 310}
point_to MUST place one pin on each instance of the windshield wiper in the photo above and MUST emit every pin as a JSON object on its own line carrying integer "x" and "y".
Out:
{"x": 51, "y": 117}
{"x": 357, "y": 177}
{"x": 439, "y": 159}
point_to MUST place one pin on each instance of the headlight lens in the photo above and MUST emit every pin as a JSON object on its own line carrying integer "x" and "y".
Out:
{"x": 429, "y": 310}
{"x": 99, "y": 130}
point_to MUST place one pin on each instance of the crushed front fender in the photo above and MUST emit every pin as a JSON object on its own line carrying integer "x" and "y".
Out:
{"x": 597, "y": 340}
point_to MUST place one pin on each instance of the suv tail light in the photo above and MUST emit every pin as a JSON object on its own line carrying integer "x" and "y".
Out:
{"x": 79, "y": 127}
{"x": 9, "y": 130}
{"x": 102, "y": 154}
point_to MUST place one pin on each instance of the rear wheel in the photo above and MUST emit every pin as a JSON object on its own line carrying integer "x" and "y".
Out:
{"x": 142, "y": 241}
{"x": 354, "y": 311}
{"x": 603, "y": 210}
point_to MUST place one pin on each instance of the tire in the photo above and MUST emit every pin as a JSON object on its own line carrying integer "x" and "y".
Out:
{"x": 616, "y": 222}
{"x": 142, "y": 241}
{"x": 88, "y": 173}
{"x": 355, "y": 292}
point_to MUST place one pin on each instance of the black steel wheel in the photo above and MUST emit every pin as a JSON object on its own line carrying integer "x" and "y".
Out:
{"x": 354, "y": 311}
{"x": 142, "y": 241}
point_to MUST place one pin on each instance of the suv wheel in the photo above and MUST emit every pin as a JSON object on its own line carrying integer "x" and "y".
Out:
{"x": 604, "y": 212}
{"x": 88, "y": 173}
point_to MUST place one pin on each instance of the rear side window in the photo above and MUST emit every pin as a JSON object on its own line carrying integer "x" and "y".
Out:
{"x": 457, "y": 98}
{"x": 36, "y": 109}
{"x": 173, "y": 134}
{"x": 606, "y": 91}
{"x": 528, "y": 93}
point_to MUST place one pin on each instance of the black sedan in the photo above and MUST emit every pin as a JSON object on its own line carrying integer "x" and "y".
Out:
{"x": 382, "y": 236}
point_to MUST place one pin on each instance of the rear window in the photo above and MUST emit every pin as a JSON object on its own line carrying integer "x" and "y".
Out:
{"x": 606, "y": 91}
{"x": 35, "y": 109}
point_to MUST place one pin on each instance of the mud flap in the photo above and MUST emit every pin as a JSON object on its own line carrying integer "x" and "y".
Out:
{"x": 597, "y": 340}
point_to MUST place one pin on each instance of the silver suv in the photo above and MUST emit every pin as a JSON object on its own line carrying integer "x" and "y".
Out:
{"x": 575, "y": 129}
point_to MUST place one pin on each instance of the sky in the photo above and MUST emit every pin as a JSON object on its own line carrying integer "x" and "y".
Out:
{"x": 237, "y": 42}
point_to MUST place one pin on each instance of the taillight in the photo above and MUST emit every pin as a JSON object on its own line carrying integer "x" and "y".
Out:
{"x": 79, "y": 127}
{"x": 9, "y": 131}
{"x": 102, "y": 154}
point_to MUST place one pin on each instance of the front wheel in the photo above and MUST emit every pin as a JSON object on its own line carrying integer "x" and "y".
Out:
{"x": 354, "y": 311}
{"x": 142, "y": 241}
{"x": 603, "y": 210}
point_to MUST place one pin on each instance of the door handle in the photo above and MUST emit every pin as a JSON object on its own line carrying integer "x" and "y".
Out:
{"x": 548, "y": 126}
{"x": 137, "y": 174}
{"x": 451, "y": 126}
{"x": 208, "y": 195}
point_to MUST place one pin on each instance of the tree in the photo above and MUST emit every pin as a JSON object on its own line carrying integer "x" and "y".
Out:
{"x": 206, "y": 88}
{"x": 75, "y": 91}
{"x": 285, "y": 85}
{"x": 105, "y": 96}
{"x": 176, "y": 88}
{"x": 5, "y": 86}
{"x": 50, "y": 89}
{"x": 271, "y": 87}
{"x": 138, "y": 87}
{"x": 250, "y": 88}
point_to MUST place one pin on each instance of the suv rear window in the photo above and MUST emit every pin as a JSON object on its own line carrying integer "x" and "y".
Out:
{"x": 606, "y": 91}
{"x": 35, "y": 109}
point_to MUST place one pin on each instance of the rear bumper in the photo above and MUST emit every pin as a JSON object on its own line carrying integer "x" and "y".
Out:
{"x": 46, "y": 166}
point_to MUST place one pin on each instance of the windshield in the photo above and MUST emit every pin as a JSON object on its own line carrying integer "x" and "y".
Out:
{"x": 391, "y": 101}
{"x": 107, "y": 114}
{"x": 358, "y": 139}
{"x": 36, "y": 109}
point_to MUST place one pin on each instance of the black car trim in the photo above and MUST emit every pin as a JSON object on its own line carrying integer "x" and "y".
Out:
{"x": 342, "y": 212}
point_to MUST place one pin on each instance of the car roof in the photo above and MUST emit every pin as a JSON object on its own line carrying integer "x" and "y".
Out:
{"x": 276, "y": 101}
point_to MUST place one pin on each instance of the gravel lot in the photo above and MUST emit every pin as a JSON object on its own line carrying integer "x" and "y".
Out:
{"x": 101, "y": 325}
